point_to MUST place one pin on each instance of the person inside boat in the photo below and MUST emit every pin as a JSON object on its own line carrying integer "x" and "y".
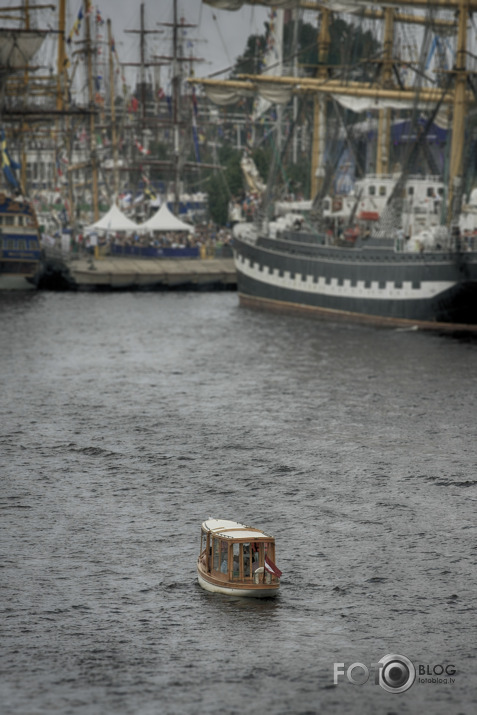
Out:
{"x": 254, "y": 557}
{"x": 236, "y": 566}
{"x": 456, "y": 238}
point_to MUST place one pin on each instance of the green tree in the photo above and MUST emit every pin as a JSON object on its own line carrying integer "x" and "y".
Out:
{"x": 218, "y": 199}
{"x": 225, "y": 184}
{"x": 350, "y": 46}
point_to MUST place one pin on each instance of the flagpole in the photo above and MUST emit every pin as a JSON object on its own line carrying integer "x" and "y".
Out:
{"x": 112, "y": 98}
{"x": 92, "y": 136}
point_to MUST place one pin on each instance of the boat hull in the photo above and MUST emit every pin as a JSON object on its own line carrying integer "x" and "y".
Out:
{"x": 377, "y": 286}
{"x": 19, "y": 244}
{"x": 16, "y": 282}
{"x": 254, "y": 591}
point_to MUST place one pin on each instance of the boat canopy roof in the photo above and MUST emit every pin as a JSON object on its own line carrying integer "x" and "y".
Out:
{"x": 233, "y": 530}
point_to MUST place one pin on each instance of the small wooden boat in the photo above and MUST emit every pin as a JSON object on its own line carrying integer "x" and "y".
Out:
{"x": 237, "y": 560}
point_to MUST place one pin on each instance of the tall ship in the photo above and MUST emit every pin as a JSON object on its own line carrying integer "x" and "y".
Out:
{"x": 19, "y": 243}
{"x": 402, "y": 255}
{"x": 19, "y": 230}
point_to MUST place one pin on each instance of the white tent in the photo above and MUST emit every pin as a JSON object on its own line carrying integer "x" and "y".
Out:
{"x": 164, "y": 220}
{"x": 114, "y": 220}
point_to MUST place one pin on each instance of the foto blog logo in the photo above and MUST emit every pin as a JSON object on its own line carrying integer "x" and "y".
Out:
{"x": 394, "y": 673}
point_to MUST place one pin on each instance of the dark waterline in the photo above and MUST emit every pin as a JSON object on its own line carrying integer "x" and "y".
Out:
{"x": 128, "y": 419}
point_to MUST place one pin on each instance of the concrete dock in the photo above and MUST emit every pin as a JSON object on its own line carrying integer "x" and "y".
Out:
{"x": 152, "y": 274}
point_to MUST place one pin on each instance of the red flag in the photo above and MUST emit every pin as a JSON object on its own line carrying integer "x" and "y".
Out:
{"x": 270, "y": 566}
{"x": 140, "y": 147}
{"x": 133, "y": 105}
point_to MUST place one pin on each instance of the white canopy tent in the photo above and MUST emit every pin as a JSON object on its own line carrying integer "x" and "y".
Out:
{"x": 164, "y": 220}
{"x": 114, "y": 220}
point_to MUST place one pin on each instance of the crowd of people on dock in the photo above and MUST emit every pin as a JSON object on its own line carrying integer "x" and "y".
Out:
{"x": 208, "y": 241}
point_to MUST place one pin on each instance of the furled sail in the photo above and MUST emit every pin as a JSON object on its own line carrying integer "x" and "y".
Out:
{"x": 273, "y": 60}
{"x": 251, "y": 175}
{"x": 237, "y": 4}
{"x": 274, "y": 93}
{"x": 367, "y": 104}
{"x": 224, "y": 96}
{"x": 17, "y": 47}
{"x": 343, "y": 6}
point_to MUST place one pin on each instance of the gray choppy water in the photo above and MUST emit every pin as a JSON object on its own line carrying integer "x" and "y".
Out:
{"x": 130, "y": 418}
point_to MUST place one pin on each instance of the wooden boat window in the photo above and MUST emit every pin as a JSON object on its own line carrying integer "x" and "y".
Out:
{"x": 269, "y": 550}
{"x": 215, "y": 549}
{"x": 255, "y": 556}
{"x": 372, "y": 190}
{"x": 247, "y": 561}
{"x": 236, "y": 561}
{"x": 224, "y": 557}
{"x": 382, "y": 191}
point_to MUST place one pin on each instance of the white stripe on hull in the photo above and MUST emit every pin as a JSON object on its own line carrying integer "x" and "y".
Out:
{"x": 426, "y": 289}
{"x": 12, "y": 282}
{"x": 230, "y": 591}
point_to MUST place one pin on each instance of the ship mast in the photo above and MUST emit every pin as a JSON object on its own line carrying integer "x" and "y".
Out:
{"x": 319, "y": 113}
{"x": 62, "y": 99}
{"x": 143, "y": 64}
{"x": 460, "y": 111}
{"x": 114, "y": 136}
{"x": 177, "y": 59}
{"x": 176, "y": 84}
{"x": 142, "y": 32}
{"x": 24, "y": 129}
{"x": 458, "y": 98}
{"x": 61, "y": 57}
{"x": 384, "y": 121}
{"x": 92, "y": 135}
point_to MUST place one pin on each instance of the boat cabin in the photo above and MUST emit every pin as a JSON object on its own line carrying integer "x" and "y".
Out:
{"x": 237, "y": 559}
{"x": 19, "y": 242}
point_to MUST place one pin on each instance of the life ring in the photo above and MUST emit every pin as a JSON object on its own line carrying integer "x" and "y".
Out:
{"x": 257, "y": 573}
